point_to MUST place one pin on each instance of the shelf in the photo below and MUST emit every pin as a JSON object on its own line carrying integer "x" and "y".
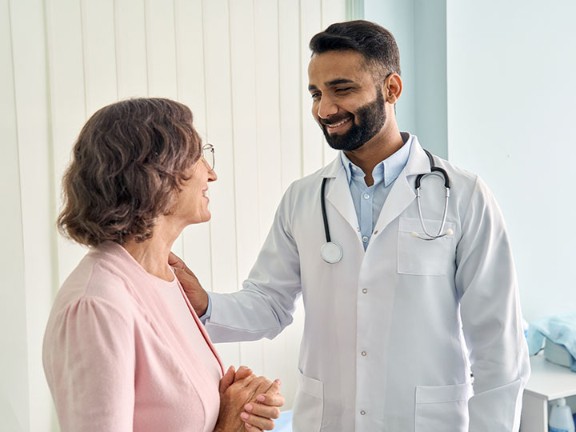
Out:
{"x": 550, "y": 381}
{"x": 547, "y": 382}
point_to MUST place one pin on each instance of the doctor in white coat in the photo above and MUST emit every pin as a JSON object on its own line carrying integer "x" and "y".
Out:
{"x": 405, "y": 332}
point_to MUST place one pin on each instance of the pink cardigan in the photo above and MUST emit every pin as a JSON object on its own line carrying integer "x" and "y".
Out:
{"x": 114, "y": 359}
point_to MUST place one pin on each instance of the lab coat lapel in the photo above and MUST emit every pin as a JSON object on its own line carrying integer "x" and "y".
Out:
{"x": 403, "y": 193}
{"x": 338, "y": 192}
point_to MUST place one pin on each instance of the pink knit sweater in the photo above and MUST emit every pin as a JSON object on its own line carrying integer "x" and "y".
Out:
{"x": 117, "y": 356}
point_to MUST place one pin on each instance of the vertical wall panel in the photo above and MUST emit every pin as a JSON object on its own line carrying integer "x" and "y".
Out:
{"x": 247, "y": 159}
{"x": 161, "y": 48}
{"x": 14, "y": 381}
{"x": 37, "y": 196}
{"x": 291, "y": 91}
{"x": 131, "y": 58}
{"x": 99, "y": 48}
{"x": 67, "y": 102}
{"x": 219, "y": 132}
{"x": 267, "y": 110}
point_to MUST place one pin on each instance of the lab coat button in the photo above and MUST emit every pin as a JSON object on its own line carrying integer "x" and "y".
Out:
{"x": 362, "y": 412}
{"x": 364, "y": 353}
{"x": 364, "y": 290}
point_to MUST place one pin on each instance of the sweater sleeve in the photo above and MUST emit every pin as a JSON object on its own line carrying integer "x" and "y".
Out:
{"x": 89, "y": 361}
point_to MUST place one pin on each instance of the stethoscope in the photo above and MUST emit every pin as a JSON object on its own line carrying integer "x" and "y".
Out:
{"x": 332, "y": 252}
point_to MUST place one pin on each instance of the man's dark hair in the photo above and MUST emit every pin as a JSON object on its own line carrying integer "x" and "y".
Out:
{"x": 373, "y": 41}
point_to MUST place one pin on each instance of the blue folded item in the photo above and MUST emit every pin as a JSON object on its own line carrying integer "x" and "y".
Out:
{"x": 560, "y": 329}
{"x": 284, "y": 422}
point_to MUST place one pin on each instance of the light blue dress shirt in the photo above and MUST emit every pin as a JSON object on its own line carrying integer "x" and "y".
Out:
{"x": 369, "y": 200}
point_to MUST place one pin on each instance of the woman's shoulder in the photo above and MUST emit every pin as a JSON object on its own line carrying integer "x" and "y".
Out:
{"x": 103, "y": 278}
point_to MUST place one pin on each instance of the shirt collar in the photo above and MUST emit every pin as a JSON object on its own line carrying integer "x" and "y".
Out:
{"x": 388, "y": 170}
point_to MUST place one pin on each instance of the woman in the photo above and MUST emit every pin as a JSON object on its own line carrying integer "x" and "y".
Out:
{"x": 123, "y": 349}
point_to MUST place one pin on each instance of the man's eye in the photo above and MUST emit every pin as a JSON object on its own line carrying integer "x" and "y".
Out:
{"x": 343, "y": 90}
{"x": 315, "y": 96}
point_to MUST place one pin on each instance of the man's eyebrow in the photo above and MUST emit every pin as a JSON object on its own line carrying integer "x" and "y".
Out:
{"x": 339, "y": 81}
{"x": 333, "y": 83}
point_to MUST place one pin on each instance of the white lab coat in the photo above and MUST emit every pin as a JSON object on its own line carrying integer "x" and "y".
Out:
{"x": 392, "y": 334}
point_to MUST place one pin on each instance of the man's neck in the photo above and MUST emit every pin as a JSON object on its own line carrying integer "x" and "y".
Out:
{"x": 375, "y": 151}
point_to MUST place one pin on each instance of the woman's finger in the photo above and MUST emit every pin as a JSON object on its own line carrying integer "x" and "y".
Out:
{"x": 258, "y": 422}
{"x": 256, "y": 409}
{"x": 227, "y": 379}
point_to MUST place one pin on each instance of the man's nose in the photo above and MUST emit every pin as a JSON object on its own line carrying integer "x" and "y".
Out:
{"x": 326, "y": 107}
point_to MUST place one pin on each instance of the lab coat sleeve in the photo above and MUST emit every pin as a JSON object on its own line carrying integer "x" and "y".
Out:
{"x": 264, "y": 307}
{"x": 491, "y": 316}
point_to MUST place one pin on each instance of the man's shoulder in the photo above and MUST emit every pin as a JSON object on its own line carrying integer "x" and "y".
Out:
{"x": 315, "y": 178}
{"x": 456, "y": 172}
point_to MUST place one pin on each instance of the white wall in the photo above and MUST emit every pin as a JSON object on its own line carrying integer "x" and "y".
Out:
{"x": 419, "y": 27}
{"x": 503, "y": 94}
{"x": 241, "y": 67}
{"x": 511, "y": 108}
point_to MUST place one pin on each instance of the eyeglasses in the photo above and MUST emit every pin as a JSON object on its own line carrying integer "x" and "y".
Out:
{"x": 208, "y": 155}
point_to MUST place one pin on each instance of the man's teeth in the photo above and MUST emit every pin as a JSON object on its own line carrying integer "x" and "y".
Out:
{"x": 340, "y": 123}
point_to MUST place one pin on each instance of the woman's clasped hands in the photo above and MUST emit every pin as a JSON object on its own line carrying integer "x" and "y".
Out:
{"x": 248, "y": 402}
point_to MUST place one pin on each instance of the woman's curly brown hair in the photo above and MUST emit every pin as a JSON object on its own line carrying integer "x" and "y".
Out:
{"x": 128, "y": 163}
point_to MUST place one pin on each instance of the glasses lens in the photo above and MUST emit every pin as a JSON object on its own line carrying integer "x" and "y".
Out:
{"x": 208, "y": 155}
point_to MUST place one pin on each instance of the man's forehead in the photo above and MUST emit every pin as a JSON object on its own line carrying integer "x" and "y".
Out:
{"x": 337, "y": 67}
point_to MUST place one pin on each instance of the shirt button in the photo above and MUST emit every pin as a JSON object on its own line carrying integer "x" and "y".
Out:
{"x": 366, "y": 196}
{"x": 365, "y": 239}
{"x": 362, "y": 412}
{"x": 363, "y": 353}
{"x": 364, "y": 290}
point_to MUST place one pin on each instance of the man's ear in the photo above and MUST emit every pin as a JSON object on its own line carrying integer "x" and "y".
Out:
{"x": 392, "y": 88}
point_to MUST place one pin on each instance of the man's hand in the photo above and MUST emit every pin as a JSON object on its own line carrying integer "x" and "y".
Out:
{"x": 197, "y": 296}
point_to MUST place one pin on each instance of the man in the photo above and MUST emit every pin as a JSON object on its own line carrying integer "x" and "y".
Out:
{"x": 413, "y": 322}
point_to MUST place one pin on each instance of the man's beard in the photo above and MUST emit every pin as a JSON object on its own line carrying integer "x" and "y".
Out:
{"x": 366, "y": 123}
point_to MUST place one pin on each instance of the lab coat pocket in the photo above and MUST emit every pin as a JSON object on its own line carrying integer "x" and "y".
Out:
{"x": 424, "y": 257}
{"x": 308, "y": 405}
{"x": 442, "y": 408}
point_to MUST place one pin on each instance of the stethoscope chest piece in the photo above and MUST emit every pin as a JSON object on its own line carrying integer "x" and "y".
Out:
{"x": 331, "y": 252}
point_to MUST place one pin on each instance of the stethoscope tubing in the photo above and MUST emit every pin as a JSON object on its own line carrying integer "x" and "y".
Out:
{"x": 332, "y": 252}
{"x": 324, "y": 214}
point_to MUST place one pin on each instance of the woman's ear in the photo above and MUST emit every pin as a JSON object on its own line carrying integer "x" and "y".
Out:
{"x": 393, "y": 88}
